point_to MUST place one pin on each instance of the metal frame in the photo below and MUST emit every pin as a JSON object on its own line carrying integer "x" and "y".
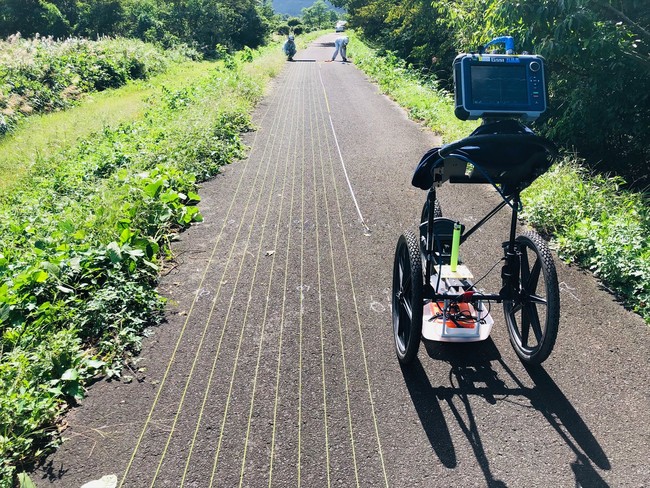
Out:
{"x": 510, "y": 269}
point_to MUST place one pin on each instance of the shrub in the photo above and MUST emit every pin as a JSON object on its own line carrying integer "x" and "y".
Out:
{"x": 42, "y": 75}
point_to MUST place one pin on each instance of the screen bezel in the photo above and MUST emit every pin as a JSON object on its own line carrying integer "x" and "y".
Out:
{"x": 530, "y": 109}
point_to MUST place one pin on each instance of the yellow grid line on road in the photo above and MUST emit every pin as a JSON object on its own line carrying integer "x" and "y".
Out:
{"x": 248, "y": 305}
{"x": 284, "y": 295}
{"x": 361, "y": 341}
{"x": 336, "y": 291}
{"x": 320, "y": 295}
{"x": 184, "y": 327}
{"x": 302, "y": 299}
{"x": 269, "y": 287}
{"x": 200, "y": 346}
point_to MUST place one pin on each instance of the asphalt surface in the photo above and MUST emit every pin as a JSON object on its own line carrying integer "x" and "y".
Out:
{"x": 276, "y": 365}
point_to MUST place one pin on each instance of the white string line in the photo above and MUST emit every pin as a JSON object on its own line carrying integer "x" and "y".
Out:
{"x": 338, "y": 148}
{"x": 335, "y": 283}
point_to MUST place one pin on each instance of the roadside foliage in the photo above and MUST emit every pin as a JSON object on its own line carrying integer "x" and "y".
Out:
{"x": 43, "y": 75}
{"x": 200, "y": 23}
{"x": 83, "y": 236}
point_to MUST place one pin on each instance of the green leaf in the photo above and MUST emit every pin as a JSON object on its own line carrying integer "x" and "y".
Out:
{"x": 75, "y": 390}
{"x": 70, "y": 375}
{"x": 193, "y": 198}
{"x": 170, "y": 196}
{"x": 114, "y": 252}
{"x": 24, "y": 481}
{"x": 153, "y": 189}
{"x": 95, "y": 363}
{"x": 39, "y": 276}
{"x": 126, "y": 235}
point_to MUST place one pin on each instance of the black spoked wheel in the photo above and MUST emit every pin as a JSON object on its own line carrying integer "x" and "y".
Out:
{"x": 407, "y": 298}
{"x": 533, "y": 317}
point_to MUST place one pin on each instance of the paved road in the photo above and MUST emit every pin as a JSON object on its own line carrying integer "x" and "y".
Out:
{"x": 276, "y": 366}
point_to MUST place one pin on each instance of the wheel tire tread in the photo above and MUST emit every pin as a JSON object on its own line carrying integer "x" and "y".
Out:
{"x": 553, "y": 299}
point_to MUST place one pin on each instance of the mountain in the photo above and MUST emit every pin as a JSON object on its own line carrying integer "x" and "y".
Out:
{"x": 294, "y": 7}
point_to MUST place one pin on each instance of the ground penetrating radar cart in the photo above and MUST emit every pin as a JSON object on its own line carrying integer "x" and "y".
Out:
{"x": 434, "y": 294}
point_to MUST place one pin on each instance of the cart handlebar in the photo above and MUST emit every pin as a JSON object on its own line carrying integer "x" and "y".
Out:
{"x": 501, "y": 139}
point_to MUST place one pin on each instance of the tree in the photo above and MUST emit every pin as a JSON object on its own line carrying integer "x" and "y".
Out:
{"x": 319, "y": 15}
{"x": 596, "y": 52}
{"x": 30, "y": 17}
{"x": 98, "y": 17}
{"x": 201, "y": 23}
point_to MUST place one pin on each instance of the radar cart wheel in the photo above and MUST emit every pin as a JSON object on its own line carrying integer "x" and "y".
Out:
{"x": 533, "y": 316}
{"x": 407, "y": 298}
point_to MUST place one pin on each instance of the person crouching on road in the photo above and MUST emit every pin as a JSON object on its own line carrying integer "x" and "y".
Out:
{"x": 341, "y": 45}
{"x": 289, "y": 48}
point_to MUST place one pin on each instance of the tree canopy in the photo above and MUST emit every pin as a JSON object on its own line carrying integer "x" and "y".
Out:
{"x": 319, "y": 15}
{"x": 202, "y": 23}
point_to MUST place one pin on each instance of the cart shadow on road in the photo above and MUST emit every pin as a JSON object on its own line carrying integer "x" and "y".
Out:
{"x": 472, "y": 375}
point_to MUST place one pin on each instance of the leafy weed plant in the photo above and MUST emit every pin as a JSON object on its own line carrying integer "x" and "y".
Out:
{"x": 597, "y": 224}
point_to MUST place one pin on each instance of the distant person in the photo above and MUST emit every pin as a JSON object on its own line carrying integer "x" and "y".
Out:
{"x": 289, "y": 48}
{"x": 341, "y": 45}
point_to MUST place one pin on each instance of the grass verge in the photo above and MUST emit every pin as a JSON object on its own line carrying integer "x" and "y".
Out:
{"x": 83, "y": 235}
{"x": 40, "y": 136}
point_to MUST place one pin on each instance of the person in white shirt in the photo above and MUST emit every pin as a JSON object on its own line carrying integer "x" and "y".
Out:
{"x": 341, "y": 45}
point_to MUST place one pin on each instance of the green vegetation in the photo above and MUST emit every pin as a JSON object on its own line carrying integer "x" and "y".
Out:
{"x": 41, "y": 135}
{"x": 598, "y": 225}
{"x": 596, "y": 51}
{"x": 83, "y": 236}
{"x": 423, "y": 99}
{"x": 42, "y": 75}
{"x": 200, "y": 23}
{"x": 315, "y": 17}
{"x": 319, "y": 16}
{"x": 592, "y": 219}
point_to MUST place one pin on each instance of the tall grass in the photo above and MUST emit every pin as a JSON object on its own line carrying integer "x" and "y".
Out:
{"x": 42, "y": 135}
{"x": 43, "y": 75}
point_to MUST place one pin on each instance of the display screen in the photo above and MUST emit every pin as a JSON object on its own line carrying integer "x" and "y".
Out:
{"x": 500, "y": 85}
